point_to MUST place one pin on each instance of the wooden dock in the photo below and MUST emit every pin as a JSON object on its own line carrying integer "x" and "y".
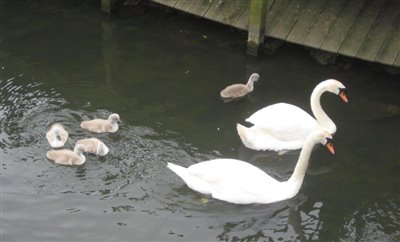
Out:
{"x": 364, "y": 29}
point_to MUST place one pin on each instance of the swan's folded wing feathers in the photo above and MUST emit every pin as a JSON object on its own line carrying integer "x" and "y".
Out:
{"x": 227, "y": 171}
{"x": 283, "y": 119}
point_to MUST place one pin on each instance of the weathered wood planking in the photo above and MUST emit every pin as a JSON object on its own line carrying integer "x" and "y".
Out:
{"x": 184, "y": 5}
{"x": 359, "y": 31}
{"x": 231, "y": 13}
{"x": 324, "y": 23}
{"x": 342, "y": 25}
{"x": 169, "y": 3}
{"x": 380, "y": 30}
{"x": 397, "y": 61}
{"x": 305, "y": 22}
{"x": 200, "y": 7}
{"x": 243, "y": 21}
{"x": 391, "y": 48}
{"x": 274, "y": 14}
{"x": 288, "y": 19}
{"x": 365, "y": 29}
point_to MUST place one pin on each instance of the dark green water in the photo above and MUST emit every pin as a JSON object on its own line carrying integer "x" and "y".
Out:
{"x": 63, "y": 61}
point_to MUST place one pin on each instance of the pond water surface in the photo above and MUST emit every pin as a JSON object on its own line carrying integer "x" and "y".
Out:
{"x": 64, "y": 61}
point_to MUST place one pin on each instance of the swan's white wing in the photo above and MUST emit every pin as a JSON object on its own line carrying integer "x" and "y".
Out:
{"x": 284, "y": 121}
{"x": 257, "y": 138}
{"x": 234, "y": 180}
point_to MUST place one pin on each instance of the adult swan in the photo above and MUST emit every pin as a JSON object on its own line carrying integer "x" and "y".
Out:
{"x": 283, "y": 126}
{"x": 239, "y": 182}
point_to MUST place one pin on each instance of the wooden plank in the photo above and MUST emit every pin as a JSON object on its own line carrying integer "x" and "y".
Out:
{"x": 169, "y": 3}
{"x": 233, "y": 11}
{"x": 383, "y": 25}
{"x": 184, "y": 5}
{"x": 274, "y": 14}
{"x": 397, "y": 62}
{"x": 214, "y": 10}
{"x": 359, "y": 31}
{"x": 307, "y": 19}
{"x": 342, "y": 25}
{"x": 243, "y": 21}
{"x": 200, "y": 7}
{"x": 323, "y": 23}
{"x": 289, "y": 18}
{"x": 391, "y": 48}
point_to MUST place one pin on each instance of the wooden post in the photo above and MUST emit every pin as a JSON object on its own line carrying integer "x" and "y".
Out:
{"x": 257, "y": 13}
{"x": 107, "y": 5}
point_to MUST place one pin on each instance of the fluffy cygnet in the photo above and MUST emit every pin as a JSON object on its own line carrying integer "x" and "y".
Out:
{"x": 93, "y": 145}
{"x": 102, "y": 125}
{"x": 240, "y": 90}
{"x": 68, "y": 157}
{"x": 57, "y": 136}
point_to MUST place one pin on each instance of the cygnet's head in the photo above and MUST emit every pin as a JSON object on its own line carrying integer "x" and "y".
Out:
{"x": 79, "y": 149}
{"x": 57, "y": 131}
{"x": 337, "y": 88}
{"x": 254, "y": 77}
{"x": 102, "y": 149}
{"x": 323, "y": 137}
{"x": 113, "y": 118}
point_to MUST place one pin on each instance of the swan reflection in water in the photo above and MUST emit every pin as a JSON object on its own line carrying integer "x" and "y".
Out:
{"x": 294, "y": 219}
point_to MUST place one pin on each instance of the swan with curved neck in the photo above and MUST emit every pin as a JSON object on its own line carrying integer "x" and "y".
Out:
{"x": 102, "y": 125}
{"x": 68, "y": 157}
{"x": 239, "y": 182}
{"x": 94, "y": 146}
{"x": 240, "y": 90}
{"x": 322, "y": 118}
{"x": 283, "y": 126}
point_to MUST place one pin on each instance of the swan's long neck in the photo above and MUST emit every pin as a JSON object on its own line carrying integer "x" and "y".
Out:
{"x": 302, "y": 163}
{"x": 319, "y": 114}
{"x": 250, "y": 84}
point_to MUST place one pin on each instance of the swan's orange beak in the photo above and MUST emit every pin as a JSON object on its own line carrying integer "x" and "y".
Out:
{"x": 343, "y": 95}
{"x": 329, "y": 146}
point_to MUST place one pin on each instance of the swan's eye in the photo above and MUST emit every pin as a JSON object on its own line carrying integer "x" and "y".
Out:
{"x": 343, "y": 94}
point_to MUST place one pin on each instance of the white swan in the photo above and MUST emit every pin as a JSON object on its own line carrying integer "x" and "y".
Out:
{"x": 239, "y": 182}
{"x": 94, "y": 146}
{"x": 57, "y": 136}
{"x": 239, "y": 90}
{"x": 284, "y": 126}
{"x": 67, "y": 157}
{"x": 102, "y": 125}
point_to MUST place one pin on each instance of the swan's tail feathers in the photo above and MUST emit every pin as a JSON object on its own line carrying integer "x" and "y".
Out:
{"x": 51, "y": 155}
{"x": 192, "y": 181}
{"x": 179, "y": 170}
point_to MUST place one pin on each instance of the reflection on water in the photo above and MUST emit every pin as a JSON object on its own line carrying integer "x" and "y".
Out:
{"x": 63, "y": 62}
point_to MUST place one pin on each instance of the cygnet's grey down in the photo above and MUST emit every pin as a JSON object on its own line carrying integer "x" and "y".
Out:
{"x": 94, "y": 146}
{"x": 102, "y": 125}
{"x": 68, "y": 157}
{"x": 57, "y": 136}
{"x": 240, "y": 90}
